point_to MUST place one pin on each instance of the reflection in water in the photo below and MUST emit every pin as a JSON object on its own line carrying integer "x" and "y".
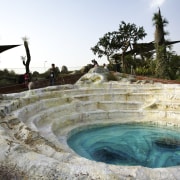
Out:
{"x": 129, "y": 144}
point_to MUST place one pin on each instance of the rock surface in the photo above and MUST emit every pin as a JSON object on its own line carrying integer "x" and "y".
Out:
{"x": 35, "y": 124}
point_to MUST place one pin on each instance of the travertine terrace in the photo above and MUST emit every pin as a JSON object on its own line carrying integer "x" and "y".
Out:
{"x": 34, "y": 127}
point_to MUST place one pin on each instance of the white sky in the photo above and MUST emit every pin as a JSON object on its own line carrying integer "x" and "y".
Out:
{"x": 63, "y": 31}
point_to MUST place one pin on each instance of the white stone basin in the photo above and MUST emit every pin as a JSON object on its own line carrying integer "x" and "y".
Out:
{"x": 35, "y": 125}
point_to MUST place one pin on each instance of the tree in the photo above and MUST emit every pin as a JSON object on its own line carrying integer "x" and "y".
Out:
{"x": 161, "y": 69}
{"x": 120, "y": 40}
{"x": 105, "y": 46}
{"x": 26, "y": 59}
{"x": 128, "y": 35}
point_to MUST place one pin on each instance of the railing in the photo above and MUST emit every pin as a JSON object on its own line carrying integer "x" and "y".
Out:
{"x": 64, "y": 79}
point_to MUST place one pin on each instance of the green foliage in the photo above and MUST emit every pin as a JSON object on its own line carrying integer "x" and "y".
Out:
{"x": 174, "y": 65}
{"x": 178, "y": 77}
{"x": 120, "y": 40}
{"x": 128, "y": 34}
{"x": 143, "y": 71}
{"x": 105, "y": 46}
{"x": 130, "y": 62}
{"x": 140, "y": 66}
{"x": 7, "y": 77}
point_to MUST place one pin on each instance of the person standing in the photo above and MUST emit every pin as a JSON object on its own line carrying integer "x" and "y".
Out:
{"x": 26, "y": 79}
{"x": 118, "y": 68}
{"x": 105, "y": 66}
{"x": 95, "y": 63}
{"x": 52, "y": 74}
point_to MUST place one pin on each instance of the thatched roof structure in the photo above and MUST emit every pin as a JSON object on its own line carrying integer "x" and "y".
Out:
{"x": 141, "y": 48}
{"x": 7, "y": 47}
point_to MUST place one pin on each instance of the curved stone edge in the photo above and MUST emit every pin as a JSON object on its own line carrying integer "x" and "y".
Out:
{"x": 40, "y": 163}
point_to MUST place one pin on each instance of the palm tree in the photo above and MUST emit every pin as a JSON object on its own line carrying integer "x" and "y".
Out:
{"x": 160, "y": 45}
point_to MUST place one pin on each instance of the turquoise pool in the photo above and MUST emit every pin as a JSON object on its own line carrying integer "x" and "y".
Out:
{"x": 128, "y": 144}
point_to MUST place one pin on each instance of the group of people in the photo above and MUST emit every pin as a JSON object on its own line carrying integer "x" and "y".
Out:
{"x": 53, "y": 74}
{"x": 95, "y": 64}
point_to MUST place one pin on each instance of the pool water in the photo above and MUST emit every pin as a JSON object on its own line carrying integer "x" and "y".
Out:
{"x": 128, "y": 144}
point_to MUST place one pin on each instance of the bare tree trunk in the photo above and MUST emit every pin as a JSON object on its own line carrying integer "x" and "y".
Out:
{"x": 26, "y": 62}
{"x": 28, "y": 56}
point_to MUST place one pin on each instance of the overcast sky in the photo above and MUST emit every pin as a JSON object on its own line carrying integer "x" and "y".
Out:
{"x": 63, "y": 31}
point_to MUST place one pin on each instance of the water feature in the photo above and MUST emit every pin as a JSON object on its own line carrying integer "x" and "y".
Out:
{"x": 128, "y": 144}
{"x": 35, "y": 125}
